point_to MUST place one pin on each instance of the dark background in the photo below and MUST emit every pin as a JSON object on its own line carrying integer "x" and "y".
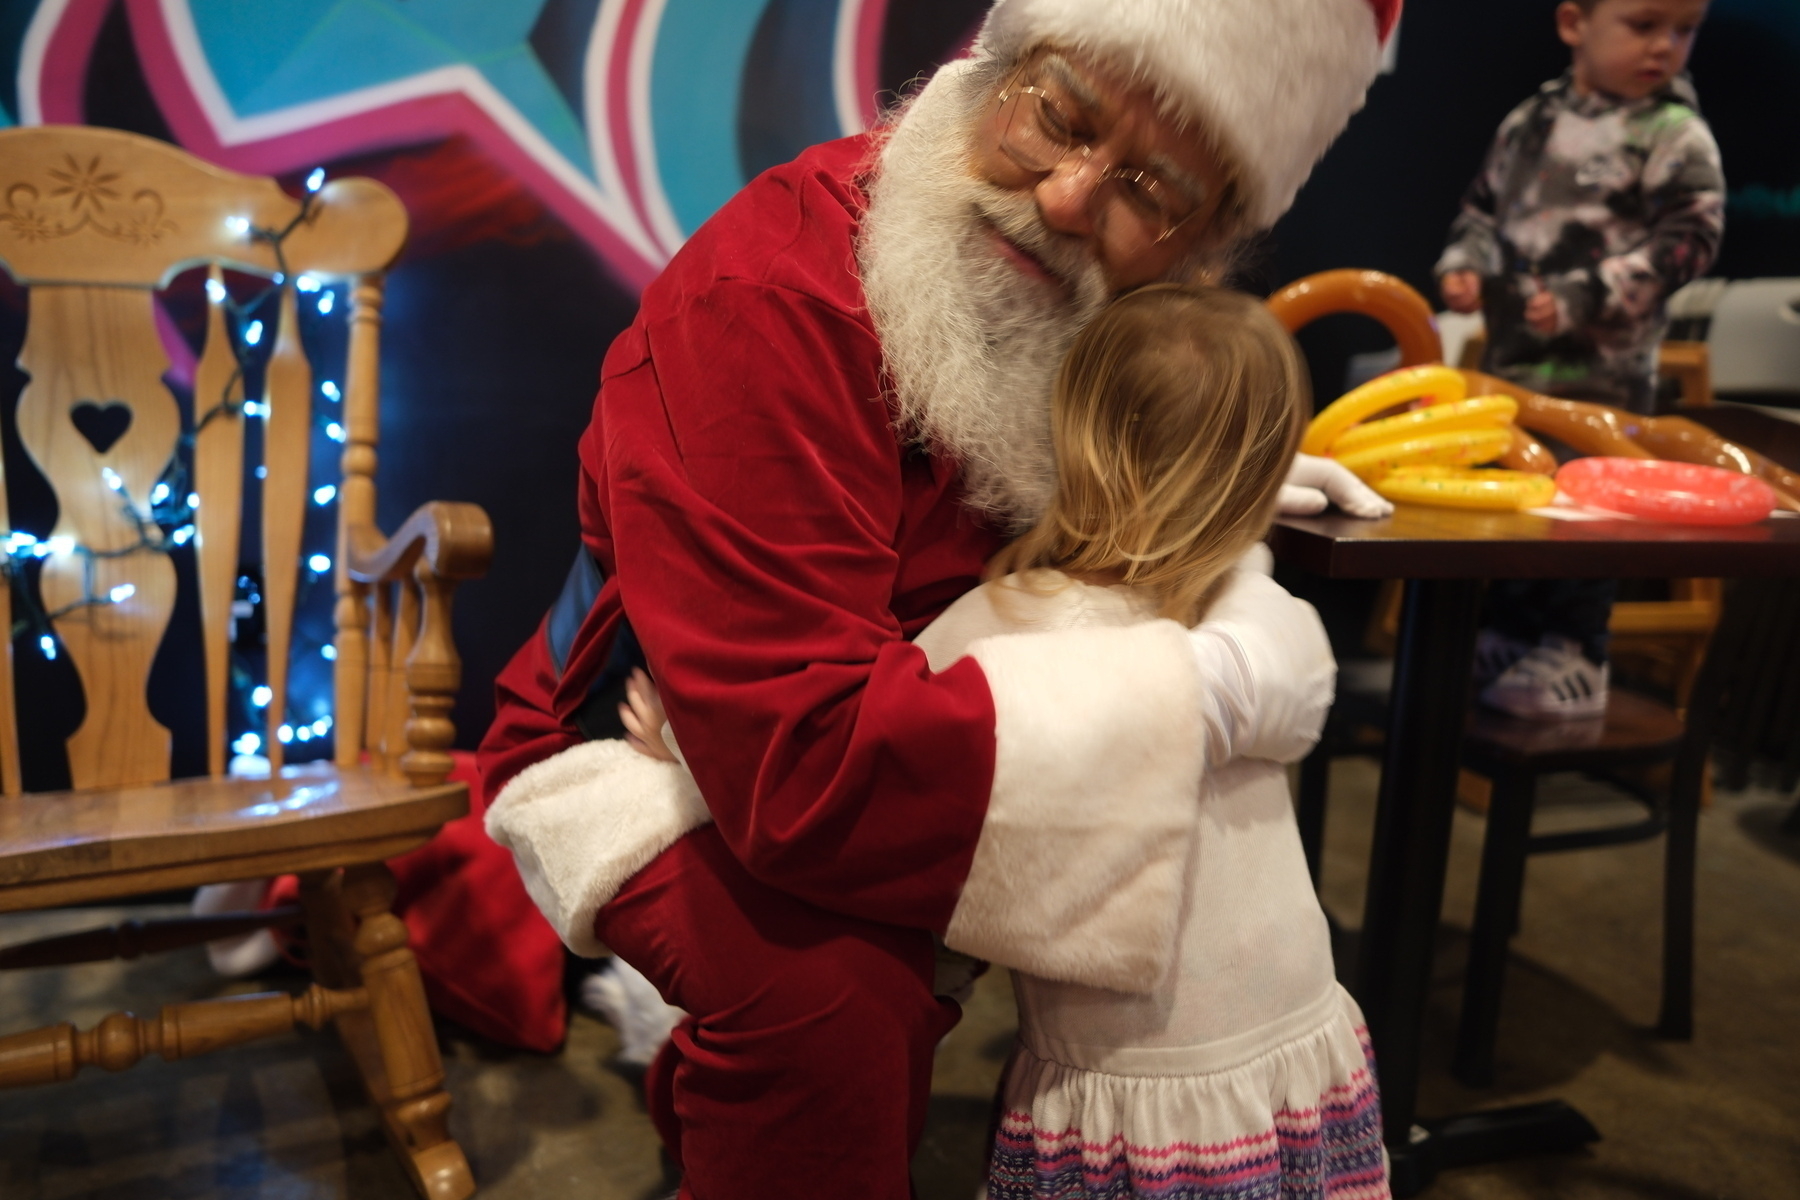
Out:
{"x": 492, "y": 342}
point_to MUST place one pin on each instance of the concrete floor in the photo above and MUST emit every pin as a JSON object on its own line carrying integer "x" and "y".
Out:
{"x": 1716, "y": 1118}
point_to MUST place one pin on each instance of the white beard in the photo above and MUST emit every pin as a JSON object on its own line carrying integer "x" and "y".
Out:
{"x": 971, "y": 344}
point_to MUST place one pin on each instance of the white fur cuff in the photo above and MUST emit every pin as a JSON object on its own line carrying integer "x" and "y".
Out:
{"x": 1080, "y": 869}
{"x": 583, "y": 822}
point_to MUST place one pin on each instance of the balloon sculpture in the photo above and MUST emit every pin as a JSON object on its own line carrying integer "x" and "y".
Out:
{"x": 1426, "y": 454}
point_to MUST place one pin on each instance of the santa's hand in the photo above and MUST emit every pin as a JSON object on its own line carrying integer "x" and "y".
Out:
{"x": 1313, "y": 482}
{"x": 1266, "y": 672}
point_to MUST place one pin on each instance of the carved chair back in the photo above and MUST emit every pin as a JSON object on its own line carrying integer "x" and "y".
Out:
{"x": 93, "y": 222}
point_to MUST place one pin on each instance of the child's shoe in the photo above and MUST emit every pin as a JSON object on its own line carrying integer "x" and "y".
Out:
{"x": 1554, "y": 682}
{"x": 1494, "y": 654}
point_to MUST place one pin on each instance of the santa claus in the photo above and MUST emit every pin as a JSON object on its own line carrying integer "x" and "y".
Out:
{"x": 830, "y": 410}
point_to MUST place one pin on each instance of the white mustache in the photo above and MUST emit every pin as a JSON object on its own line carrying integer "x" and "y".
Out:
{"x": 1071, "y": 259}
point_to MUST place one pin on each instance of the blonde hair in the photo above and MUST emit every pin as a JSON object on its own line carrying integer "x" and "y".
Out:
{"x": 1175, "y": 417}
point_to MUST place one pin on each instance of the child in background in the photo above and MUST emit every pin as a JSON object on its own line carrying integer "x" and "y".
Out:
{"x": 1601, "y": 195}
{"x": 1247, "y": 1071}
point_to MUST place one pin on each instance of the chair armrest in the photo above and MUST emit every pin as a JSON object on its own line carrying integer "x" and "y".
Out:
{"x": 455, "y": 539}
{"x": 440, "y": 545}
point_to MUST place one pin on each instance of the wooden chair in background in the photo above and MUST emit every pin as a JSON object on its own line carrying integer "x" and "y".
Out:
{"x": 92, "y": 221}
{"x": 1662, "y": 641}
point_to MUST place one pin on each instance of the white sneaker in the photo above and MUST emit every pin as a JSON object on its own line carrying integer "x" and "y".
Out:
{"x": 1554, "y": 682}
{"x": 632, "y": 1005}
{"x": 248, "y": 953}
{"x": 1494, "y": 654}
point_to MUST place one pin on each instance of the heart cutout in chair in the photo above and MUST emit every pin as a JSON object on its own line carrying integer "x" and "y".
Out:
{"x": 101, "y": 424}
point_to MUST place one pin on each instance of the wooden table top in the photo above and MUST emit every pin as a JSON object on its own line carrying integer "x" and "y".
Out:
{"x": 1420, "y": 542}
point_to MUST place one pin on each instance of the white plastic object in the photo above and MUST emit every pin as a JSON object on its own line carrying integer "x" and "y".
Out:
{"x": 1754, "y": 341}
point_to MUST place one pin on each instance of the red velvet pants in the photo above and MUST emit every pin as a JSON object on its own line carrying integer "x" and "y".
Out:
{"x": 805, "y": 1065}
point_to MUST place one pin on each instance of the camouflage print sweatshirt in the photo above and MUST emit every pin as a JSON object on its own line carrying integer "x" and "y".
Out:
{"x": 1609, "y": 204}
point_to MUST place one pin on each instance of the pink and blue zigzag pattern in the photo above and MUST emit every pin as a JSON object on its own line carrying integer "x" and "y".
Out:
{"x": 1308, "y": 1154}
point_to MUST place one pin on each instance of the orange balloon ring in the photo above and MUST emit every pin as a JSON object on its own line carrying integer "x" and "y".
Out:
{"x": 1371, "y": 293}
{"x": 1676, "y": 492}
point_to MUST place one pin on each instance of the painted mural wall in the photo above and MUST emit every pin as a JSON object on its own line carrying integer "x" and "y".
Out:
{"x": 554, "y": 153}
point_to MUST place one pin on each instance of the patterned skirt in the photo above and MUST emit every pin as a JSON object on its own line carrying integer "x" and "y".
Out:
{"x": 1288, "y": 1111}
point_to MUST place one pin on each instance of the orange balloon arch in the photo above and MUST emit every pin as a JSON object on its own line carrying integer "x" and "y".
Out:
{"x": 1591, "y": 429}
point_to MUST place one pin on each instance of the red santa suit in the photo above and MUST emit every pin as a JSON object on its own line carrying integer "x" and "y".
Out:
{"x": 776, "y": 543}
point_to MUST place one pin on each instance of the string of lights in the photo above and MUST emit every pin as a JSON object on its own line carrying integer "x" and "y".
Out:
{"x": 165, "y": 521}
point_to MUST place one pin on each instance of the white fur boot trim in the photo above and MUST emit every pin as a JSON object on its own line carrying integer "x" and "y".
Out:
{"x": 247, "y": 953}
{"x": 583, "y": 822}
{"x": 632, "y": 1005}
{"x": 1080, "y": 869}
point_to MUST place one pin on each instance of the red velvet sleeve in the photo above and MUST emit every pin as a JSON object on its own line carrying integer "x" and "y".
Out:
{"x": 751, "y": 483}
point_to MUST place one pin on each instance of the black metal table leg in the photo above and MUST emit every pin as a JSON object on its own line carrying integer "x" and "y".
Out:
{"x": 1412, "y": 832}
{"x": 1406, "y": 893}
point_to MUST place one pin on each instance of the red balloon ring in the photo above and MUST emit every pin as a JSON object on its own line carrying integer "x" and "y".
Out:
{"x": 1676, "y": 492}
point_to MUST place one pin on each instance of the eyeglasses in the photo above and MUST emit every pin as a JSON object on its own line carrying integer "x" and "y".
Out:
{"x": 1037, "y": 133}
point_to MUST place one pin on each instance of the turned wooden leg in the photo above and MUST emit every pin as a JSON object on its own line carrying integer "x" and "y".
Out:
{"x": 406, "y": 1076}
{"x": 433, "y": 675}
{"x": 330, "y": 930}
{"x": 179, "y": 1031}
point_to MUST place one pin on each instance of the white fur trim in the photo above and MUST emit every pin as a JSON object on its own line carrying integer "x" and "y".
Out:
{"x": 1274, "y": 80}
{"x": 583, "y": 822}
{"x": 1081, "y": 864}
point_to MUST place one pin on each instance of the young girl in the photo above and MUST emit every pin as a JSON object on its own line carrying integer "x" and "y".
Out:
{"x": 1247, "y": 1072}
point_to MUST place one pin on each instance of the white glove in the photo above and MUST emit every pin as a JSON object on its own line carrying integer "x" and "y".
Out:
{"x": 1312, "y": 483}
{"x": 1266, "y": 672}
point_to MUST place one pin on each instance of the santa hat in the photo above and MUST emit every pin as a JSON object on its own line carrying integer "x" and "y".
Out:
{"x": 1272, "y": 81}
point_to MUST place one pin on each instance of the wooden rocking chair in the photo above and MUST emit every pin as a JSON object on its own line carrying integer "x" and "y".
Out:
{"x": 91, "y": 222}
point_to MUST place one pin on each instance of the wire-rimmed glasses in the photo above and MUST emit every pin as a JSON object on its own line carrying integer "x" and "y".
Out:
{"x": 1037, "y": 133}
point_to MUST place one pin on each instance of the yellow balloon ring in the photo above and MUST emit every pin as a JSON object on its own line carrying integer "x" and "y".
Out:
{"x": 1396, "y": 387}
{"x": 1451, "y": 487}
{"x": 1482, "y": 411}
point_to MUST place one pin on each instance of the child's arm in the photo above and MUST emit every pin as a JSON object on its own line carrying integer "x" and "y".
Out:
{"x": 1474, "y": 248}
{"x": 1683, "y": 190}
{"x": 643, "y": 718}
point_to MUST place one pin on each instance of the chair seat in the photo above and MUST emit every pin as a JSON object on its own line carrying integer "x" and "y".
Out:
{"x": 1634, "y": 729}
{"x": 76, "y": 847}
